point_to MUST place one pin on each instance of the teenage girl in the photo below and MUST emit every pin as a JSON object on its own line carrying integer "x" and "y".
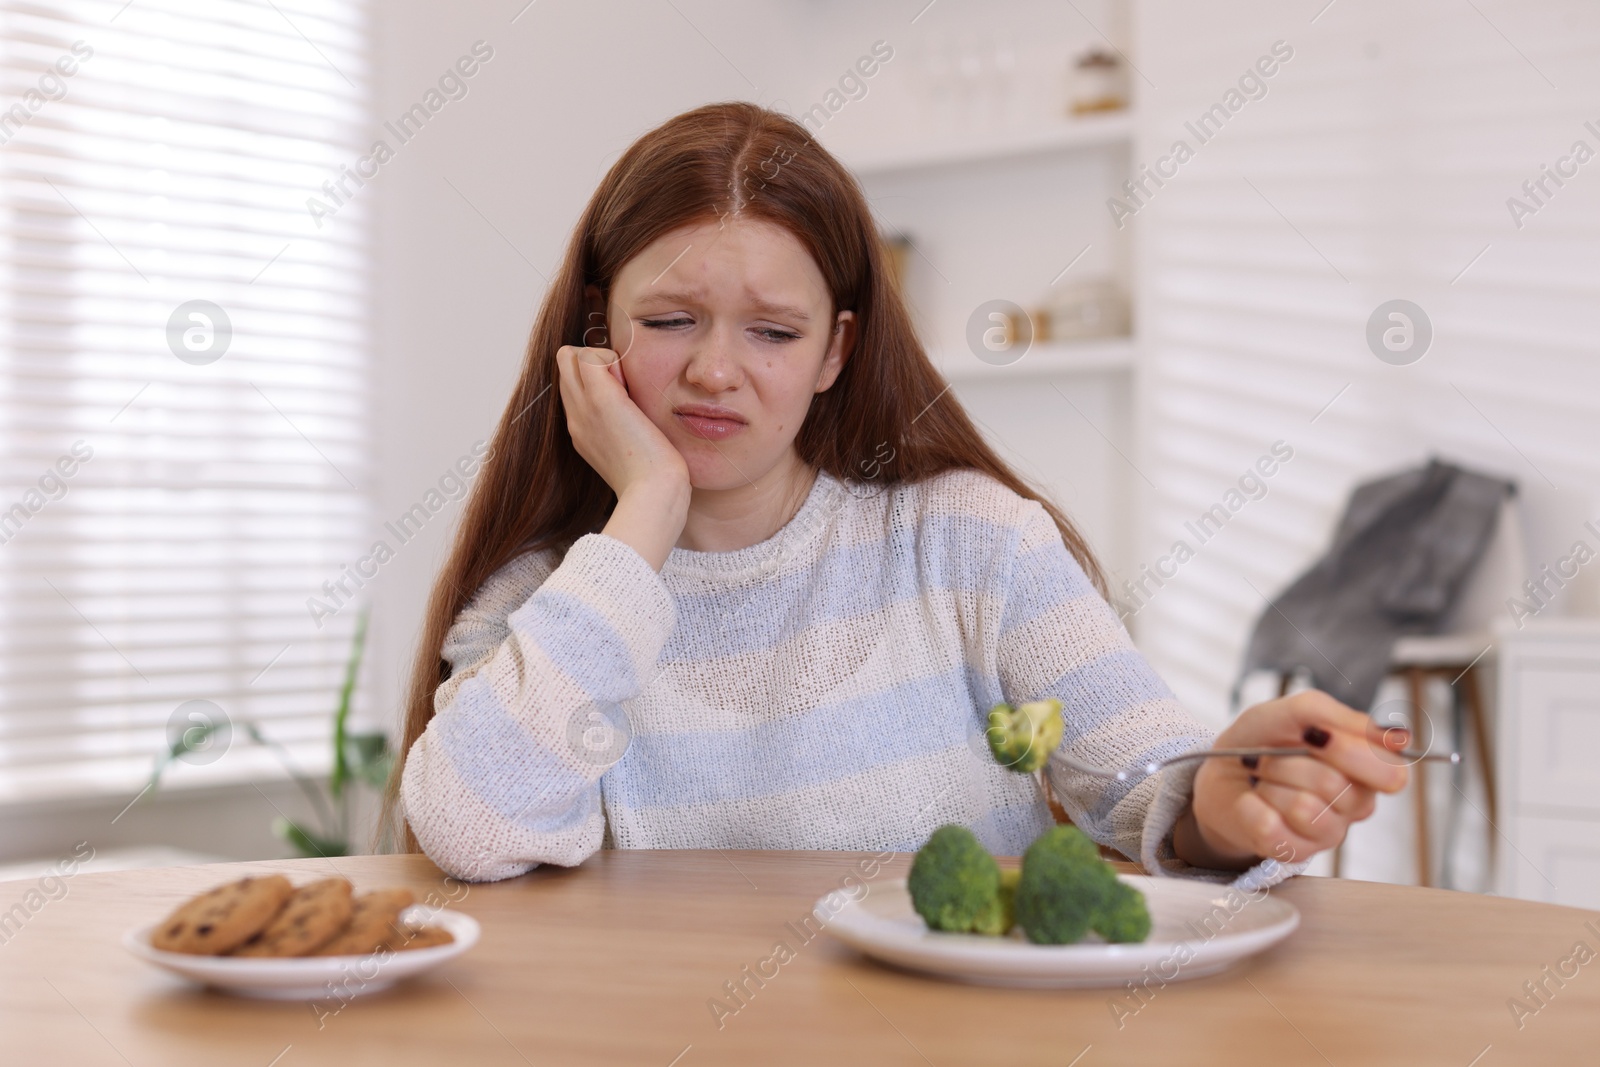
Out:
{"x": 739, "y": 572}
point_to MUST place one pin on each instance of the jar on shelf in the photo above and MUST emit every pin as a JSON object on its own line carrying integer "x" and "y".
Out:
{"x": 1098, "y": 82}
{"x": 1094, "y": 308}
{"x": 898, "y": 247}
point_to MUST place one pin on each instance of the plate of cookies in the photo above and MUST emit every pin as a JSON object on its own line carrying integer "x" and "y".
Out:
{"x": 266, "y": 937}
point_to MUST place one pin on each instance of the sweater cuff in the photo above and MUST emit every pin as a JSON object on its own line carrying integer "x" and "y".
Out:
{"x": 1174, "y": 791}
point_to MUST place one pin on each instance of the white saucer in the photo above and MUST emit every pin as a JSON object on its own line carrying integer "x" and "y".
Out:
{"x": 1197, "y": 928}
{"x": 313, "y": 977}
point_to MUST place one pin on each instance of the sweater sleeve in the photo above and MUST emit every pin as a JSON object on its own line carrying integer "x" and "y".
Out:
{"x": 507, "y": 774}
{"x": 1058, "y": 637}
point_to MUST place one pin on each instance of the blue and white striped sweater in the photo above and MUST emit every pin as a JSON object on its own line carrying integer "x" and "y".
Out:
{"x": 825, "y": 689}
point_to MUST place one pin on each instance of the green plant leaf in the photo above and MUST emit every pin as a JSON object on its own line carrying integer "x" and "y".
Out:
{"x": 370, "y": 746}
{"x": 376, "y": 774}
{"x": 178, "y": 748}
{"x": 371, "y": 757}
{"x": 306, "y": 843}
{"x": 341, "y": 716}
{"x": 194, "y": 738}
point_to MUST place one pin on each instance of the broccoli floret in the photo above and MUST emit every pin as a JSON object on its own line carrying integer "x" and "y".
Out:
{"x": 1023, "y": 737}
{"x": 1067, "y": 890}
{"x": 1064, "y": 886}
{"x": 998, "y": 920}
{"x": 1063, "y": 890}
{"x": 955, "y": 883}
{"x": 1124, "y": 917}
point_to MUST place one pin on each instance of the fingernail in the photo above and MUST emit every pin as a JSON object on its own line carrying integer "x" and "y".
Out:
{"x": 1250, "y": 761}
{"x": 1316, "y": 736}
{"x": 1253, "y": 781}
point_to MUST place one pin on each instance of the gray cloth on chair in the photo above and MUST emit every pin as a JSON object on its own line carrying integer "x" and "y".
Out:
{"x": 1399, "y": 559}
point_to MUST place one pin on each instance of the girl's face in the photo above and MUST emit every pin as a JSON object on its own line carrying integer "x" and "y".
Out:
{"x": 725, "y": 332}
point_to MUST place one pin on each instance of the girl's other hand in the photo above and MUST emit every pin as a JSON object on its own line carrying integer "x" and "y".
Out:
{"x": 1289, "y": 807}
{"x": 625, "y": 448}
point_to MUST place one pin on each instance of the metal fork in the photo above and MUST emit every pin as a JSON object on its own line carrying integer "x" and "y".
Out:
{"x": 1232, "y": 753}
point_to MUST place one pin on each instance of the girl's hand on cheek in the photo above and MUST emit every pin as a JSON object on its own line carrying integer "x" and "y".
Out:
{"x": 616, "y": 438}
{"x": 1290, "y": 807}
{"x": 625, "y": 448}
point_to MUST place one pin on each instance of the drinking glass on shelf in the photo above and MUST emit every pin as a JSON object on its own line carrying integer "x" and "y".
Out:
{"x": 1099, "y": 82}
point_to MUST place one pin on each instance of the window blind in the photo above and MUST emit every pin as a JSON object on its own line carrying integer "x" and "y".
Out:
{"x": 1377, "y": 166}
{"x": 183, "y": 422}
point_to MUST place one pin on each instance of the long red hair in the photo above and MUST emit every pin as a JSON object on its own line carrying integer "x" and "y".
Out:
{"x": 732, "y": 159}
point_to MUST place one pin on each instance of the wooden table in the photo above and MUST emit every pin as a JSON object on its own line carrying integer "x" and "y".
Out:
{"x": 615, "y": 962}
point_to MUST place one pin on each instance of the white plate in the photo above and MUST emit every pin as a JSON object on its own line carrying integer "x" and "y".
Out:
{"x": 313, "y": 977}
{"x": 1197, "y": 928}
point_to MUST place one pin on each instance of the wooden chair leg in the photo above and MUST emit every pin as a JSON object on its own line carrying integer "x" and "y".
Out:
{"x": 1473, "y": 701}
{"x": 1415, "y": 678}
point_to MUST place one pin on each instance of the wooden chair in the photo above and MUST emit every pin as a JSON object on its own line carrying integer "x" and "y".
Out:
{"x": 1457, "y": 657}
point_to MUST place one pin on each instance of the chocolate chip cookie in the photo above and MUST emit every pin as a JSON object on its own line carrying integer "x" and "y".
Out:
{"x": 223, "y": 918}
{"x": 375, "y": 921}
{"x": 315, "y": 913}
{"x": 420, "y": 937}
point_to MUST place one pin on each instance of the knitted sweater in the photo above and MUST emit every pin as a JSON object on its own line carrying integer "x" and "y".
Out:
{"x": 825, "y": 689}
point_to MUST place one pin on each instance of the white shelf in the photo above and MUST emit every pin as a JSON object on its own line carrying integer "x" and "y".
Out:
{"x": 1046, "y": 359}
{"x": 1090, "y": 131}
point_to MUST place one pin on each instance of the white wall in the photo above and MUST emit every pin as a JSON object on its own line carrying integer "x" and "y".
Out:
{"x": 1381, "y": 159}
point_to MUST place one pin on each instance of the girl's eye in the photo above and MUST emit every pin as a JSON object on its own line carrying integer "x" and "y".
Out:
{"x": 769, "y": 333}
